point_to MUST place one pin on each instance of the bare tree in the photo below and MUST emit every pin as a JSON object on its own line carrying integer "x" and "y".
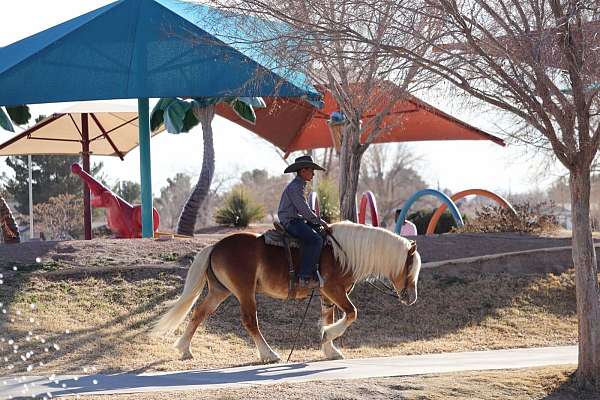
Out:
{"x": 538, "y": 61}
{"x": 365, "y": 83}
{"x": 388, "y": 171}
{"x": 172, "y": 199}
{"x": 265, "y": 189}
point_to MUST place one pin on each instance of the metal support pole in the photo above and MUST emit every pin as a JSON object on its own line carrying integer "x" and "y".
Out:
{"x": 145, "y": 170}
{"x": 29, "y": 166}
{"x": 85, "y": 160}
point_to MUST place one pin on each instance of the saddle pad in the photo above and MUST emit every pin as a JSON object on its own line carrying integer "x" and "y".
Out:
{"x": 275, "y": 238}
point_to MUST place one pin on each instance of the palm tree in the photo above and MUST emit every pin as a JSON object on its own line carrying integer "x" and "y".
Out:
{"x": 181, "y": 115}
{"x": 18, "y": 115}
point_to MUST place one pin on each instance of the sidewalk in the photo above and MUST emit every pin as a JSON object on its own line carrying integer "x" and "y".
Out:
{"x": 29, "y": 386}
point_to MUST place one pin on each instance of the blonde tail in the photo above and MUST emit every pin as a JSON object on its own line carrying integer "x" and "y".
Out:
{"x": 194, "y": 283}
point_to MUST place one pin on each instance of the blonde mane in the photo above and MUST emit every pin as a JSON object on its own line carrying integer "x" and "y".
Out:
{"x": 370, "y": 251}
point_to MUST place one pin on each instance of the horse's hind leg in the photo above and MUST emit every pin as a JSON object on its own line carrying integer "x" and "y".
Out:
{"x": 215, "y": 296}
{"x": 337, "y": 329}
{"x": 250, "y": 322}
{"x": 327, "y": 318}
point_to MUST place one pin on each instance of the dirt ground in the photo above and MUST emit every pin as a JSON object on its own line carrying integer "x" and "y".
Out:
{"x": 550, "y": 383}
{"x": 110, "y": 252}
{"x": 95, "y": 299}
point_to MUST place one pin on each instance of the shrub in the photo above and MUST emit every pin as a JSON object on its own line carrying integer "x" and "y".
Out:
{"x": 60, "y": 217}
{"x": 239, "y": 210}
{"x": 327, "y": 193}
{"x": 530, "y": 218}
{"x": 421, "y": 220}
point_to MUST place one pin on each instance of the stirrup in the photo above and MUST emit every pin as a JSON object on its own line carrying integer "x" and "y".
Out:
{"x": 321, "y": 279}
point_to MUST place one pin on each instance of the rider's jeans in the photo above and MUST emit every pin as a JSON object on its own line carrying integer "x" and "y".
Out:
{"x": 312, "y": 243}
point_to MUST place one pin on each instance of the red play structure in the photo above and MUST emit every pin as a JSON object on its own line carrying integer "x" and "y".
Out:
{"x": 124, "y": 219}
{"x": 368, "y": 198}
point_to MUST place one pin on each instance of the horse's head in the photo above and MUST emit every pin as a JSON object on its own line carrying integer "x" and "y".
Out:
{"x": 405, "y": 282}
{"x": 370, "y": 251}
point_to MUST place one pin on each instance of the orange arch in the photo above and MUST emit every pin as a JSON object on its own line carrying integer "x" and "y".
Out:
{"x": 455, "y": 197}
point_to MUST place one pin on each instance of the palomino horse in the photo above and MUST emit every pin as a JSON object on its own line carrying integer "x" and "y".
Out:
{"x": 243, "y": 265}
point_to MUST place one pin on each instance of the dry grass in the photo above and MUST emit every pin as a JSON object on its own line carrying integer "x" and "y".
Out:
{"x": 552, "y": 383}
{"x": 107, "y": 316}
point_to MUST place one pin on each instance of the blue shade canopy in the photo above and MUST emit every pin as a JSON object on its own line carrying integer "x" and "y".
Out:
{"x": 142, "y": 49}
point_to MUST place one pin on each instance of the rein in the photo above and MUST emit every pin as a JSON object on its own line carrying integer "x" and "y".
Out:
{"x": 300, "y": 326}
{"x": 337, "y": 244}
{"x": 390, "y": 290}
{"x": 309, "y": 300}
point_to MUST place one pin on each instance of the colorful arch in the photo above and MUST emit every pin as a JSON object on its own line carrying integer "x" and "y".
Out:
{"x": 432, "y": 192}
{"x": 368, "y": 198}
{"x": 313, "y": 201}
{"x": 457, "y": 196}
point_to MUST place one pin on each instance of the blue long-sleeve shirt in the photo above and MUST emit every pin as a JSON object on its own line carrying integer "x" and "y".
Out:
{"x": 293, "y": 204}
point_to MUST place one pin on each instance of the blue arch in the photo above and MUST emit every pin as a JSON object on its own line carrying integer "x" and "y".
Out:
{"x": 408, "y": 203}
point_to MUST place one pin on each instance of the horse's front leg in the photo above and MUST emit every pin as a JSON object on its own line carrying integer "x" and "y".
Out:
{"x": 327, "y": 318}
{"x": 339, "y": 297}
{"x": 250, "y": 322}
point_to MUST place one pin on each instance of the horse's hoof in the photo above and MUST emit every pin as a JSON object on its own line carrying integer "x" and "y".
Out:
{"x": 331, "y": 352}
{"x": 335, "y": 356}
{"x": 187, "y": 356}
{"x": 271, "y": 358}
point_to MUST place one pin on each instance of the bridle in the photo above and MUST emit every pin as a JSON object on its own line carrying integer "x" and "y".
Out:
{"x": 391, "y": 290}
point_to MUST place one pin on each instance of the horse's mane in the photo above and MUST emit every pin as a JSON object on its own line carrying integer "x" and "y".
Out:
{"x": 370, "y": 251}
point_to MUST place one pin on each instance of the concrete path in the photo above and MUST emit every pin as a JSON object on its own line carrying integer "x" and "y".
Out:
{"x": 38, "y": 387}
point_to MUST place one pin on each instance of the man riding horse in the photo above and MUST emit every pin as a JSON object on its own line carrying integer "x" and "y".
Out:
{"x": 300, "y": 221}
{"x": 243, "y": 264}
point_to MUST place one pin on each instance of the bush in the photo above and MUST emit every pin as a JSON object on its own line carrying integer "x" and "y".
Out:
{"x": 239, "y": 210}
{"x": 421, "y": 219}
{"x": 327, "y": 193}
{"x": 530, "y": 218}
{"x": 60, "y": 217}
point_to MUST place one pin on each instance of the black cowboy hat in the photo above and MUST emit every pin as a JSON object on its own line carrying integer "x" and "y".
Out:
{"x": 303, "y": 162}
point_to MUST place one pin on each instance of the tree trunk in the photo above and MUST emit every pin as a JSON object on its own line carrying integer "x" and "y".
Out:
{"x": 187, "y": 219}
{"x": 8, "y": 225}
{"x": 350, "y": 158}
{"x": 586, "y": 275}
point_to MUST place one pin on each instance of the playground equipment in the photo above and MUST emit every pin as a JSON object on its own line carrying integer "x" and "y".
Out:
{"x": 457, "y": 196}
{"x": 368, "y": 198}
{"x": 124, "y": 219}
{"x": 425, "y": 192}
{"x": 8, "y": 225}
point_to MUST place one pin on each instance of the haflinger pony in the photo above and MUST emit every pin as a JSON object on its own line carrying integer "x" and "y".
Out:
{"x": 243, "y": 265}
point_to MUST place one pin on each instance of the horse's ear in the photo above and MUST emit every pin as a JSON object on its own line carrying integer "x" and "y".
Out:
{"x": 413, "y": 248}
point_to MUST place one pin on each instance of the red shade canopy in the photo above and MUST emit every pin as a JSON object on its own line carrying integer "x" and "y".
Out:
{"x": 295, "y": 125}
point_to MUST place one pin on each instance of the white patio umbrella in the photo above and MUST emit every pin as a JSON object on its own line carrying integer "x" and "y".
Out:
{"x": 86, "y": 128}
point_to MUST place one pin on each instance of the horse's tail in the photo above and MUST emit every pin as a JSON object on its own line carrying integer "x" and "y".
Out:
{"x": 194, "y": 283}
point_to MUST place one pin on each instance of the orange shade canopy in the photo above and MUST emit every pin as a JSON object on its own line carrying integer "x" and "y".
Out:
{"x": 293, "y": 124}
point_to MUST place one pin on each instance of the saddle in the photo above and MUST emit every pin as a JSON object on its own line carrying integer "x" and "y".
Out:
{"x": 281, "y": 238}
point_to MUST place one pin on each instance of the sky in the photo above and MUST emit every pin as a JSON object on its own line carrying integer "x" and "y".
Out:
{"x": 456, "y": 165}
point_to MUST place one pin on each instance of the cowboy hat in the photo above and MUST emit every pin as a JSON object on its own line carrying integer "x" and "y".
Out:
{"x": 303, "y": 162}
